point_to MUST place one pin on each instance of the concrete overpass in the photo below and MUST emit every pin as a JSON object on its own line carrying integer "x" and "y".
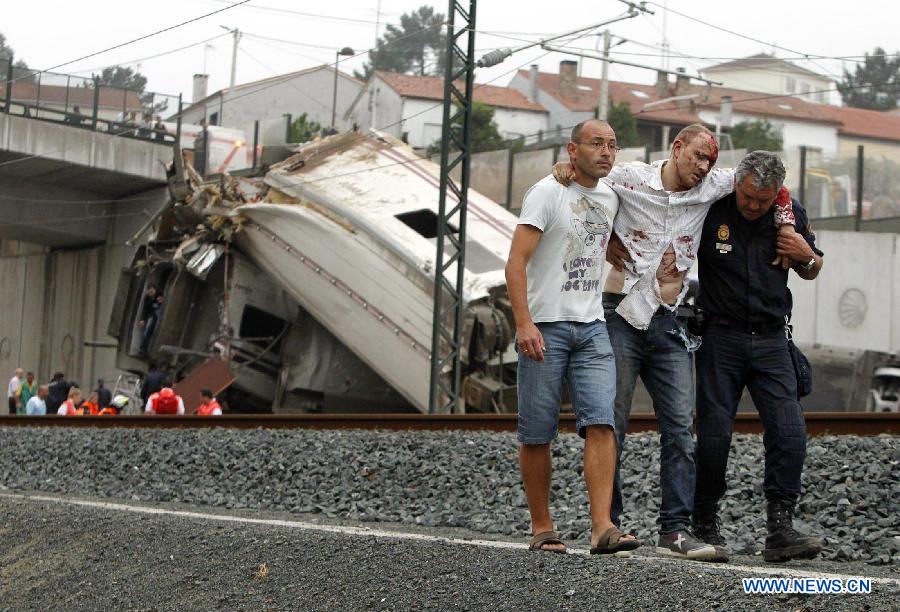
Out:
{"x": 69, "y": 200}
{"x": 62, "y": 186}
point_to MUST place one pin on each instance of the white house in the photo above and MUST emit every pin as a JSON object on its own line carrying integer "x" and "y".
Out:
{"x": 662, "y": 109}
{"x": 768, "y": 74}
{"x": 411, "y": 107}
{"x": 270, "y": 100}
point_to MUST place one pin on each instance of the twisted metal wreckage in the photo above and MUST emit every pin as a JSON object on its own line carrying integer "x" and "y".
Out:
{"x": 314, "y": 281}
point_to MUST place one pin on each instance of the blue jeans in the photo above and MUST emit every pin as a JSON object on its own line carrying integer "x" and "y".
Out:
{"x": 577, "y": 353}
{"x": 659, "y": 355}
{"x": 727, "y": 362}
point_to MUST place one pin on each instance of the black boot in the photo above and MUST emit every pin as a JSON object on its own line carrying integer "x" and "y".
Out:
{"x": 784, "y": 542}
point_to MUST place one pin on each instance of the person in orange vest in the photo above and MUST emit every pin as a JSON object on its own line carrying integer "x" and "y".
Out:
{"x": 116, "y": 406}
{"x": 166, "y": 401}
{"x": 209, "y": 406}
{"x": 91, "y": 406}
{"x": 69, "y": 407}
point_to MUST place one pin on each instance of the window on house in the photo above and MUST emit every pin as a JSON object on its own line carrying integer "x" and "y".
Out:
{"x": 804, "y": 89}
{"x": 820, "y": 96}
{"x": 791, "y": 84}
{"x": 214, "y": 119}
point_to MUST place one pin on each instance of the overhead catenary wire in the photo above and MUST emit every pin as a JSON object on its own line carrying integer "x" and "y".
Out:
{"x": 144, "y": 37}
{"x": 156, "y": 55}
{"x": 810, "y": 56}
{"x": 334, "y": 64}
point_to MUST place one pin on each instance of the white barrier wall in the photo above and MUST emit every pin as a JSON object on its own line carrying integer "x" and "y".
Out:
{"x": 855, "y": 301}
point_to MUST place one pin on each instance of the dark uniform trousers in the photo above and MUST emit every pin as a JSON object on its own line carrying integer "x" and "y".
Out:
{"x": 727, "y": 361}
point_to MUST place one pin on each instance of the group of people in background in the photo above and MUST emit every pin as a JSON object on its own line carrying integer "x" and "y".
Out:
{"x": 59, "y": 396}
{"x": 65, "y": 398}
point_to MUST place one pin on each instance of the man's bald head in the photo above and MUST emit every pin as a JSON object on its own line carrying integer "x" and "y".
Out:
{"x": 576, "y": 131}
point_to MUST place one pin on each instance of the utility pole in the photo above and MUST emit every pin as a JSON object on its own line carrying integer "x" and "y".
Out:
{"x": 603, "y": 109}
{"x": 234, "y": 48}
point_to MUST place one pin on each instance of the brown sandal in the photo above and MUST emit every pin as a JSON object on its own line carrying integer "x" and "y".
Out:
{"x": 543, "y": 538}
{"x": 612, "y": 541}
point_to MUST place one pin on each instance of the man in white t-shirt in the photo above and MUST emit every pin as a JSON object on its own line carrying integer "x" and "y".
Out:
{"x": 12, "y": 390}
{"x": 37, "y": 405}
{"x": 553, "y": 275}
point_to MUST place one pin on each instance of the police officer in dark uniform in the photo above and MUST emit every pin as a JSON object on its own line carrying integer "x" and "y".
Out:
{"x": 745, "y": 301}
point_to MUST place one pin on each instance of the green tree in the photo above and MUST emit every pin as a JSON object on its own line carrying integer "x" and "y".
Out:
{"x": 623, "y": 123}
{"x": 418, "y": 46}
{"x": 20, "y": 68}
{"x": 485, "y": 136}
{"x": 875, "y": 84}
{"x": 122, "y": 77}
{"x": 303, "y": 130}
{"x": 758, "y": 135}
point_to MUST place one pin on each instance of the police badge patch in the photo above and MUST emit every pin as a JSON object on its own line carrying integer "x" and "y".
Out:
{"x": 723, "y": 232}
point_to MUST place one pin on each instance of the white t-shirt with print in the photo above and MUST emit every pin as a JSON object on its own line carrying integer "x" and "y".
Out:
{"x": 566, "y": 268}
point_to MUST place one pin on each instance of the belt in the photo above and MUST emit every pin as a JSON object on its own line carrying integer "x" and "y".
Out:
{"x": 612, "y": 300}
{"x": 748, "y": 327}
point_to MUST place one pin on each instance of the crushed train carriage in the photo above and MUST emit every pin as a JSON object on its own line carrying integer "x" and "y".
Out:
{"x": 314, "y": 280}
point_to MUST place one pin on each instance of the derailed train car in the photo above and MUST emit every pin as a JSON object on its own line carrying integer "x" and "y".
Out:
{"x": 314, "y": 282}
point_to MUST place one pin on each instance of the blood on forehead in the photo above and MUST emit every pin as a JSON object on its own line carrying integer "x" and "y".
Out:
{"x": 713, "y": 149}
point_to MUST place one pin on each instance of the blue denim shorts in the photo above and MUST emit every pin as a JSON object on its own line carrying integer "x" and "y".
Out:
{"x": 579, "y": 354}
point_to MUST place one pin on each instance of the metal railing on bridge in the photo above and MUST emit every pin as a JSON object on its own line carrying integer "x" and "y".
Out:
{"x": 87, "y": 103}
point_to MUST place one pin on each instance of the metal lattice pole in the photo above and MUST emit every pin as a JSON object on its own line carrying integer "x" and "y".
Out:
{"x": 446, "y": 379}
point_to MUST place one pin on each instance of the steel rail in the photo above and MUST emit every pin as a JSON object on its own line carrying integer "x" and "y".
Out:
{"x": 817, "y": 423}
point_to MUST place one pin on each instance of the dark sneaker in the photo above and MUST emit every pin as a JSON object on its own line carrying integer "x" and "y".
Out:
{"x": 707, "y": 530}
{"x": 684, "y": 545}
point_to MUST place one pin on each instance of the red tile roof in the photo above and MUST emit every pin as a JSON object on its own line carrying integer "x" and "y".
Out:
{"x": 432, "y": 88}
{"x": 865, "y": 123}
{"x": 110, "y": 97}
{"x": 857, "y": 122}
{"x": 637, "y": 95}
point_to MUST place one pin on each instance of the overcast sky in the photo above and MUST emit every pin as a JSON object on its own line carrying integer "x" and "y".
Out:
{"x": 46, "y": 34}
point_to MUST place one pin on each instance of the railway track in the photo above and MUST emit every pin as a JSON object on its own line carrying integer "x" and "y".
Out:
{"x": 817, "y": 423}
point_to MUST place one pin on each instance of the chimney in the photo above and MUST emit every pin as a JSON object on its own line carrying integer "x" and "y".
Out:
{"x": 533, "y": 83}
{"x": 662, "y": 85}
{"x": 200, "y": 83}
{"x": 568, "y": 74}
{"x": 681, "y": 82}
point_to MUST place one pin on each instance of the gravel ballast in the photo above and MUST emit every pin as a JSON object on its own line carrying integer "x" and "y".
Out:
{"x": 447, "y": 479}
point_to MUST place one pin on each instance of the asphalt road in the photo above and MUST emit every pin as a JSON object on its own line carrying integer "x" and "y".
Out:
{"x": 57, "y": 553}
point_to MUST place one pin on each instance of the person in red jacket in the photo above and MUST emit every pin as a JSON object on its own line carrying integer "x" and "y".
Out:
{"x": 165, "y": 402}
{"x": 209, "y": 406}
{"x": 69, "y": 407}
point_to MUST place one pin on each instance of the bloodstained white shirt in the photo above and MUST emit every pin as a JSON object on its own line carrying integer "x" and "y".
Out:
{"x": 650, "y": 219}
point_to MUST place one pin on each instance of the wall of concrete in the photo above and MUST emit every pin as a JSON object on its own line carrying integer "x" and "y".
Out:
{"x": 56, "y": 300}
{"x": 855, "y": 301}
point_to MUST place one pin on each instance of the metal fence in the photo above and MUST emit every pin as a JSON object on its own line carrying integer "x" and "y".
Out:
{"x": 832, "y": 189}
{"x": 850, "y": 191}
{"x": 85, "y": 103}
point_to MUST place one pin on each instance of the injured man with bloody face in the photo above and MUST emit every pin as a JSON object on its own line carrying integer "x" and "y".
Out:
{"x": 662, "y": 207}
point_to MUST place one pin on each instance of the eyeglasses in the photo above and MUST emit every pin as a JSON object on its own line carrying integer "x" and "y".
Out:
{"x": 599, "y": 144}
